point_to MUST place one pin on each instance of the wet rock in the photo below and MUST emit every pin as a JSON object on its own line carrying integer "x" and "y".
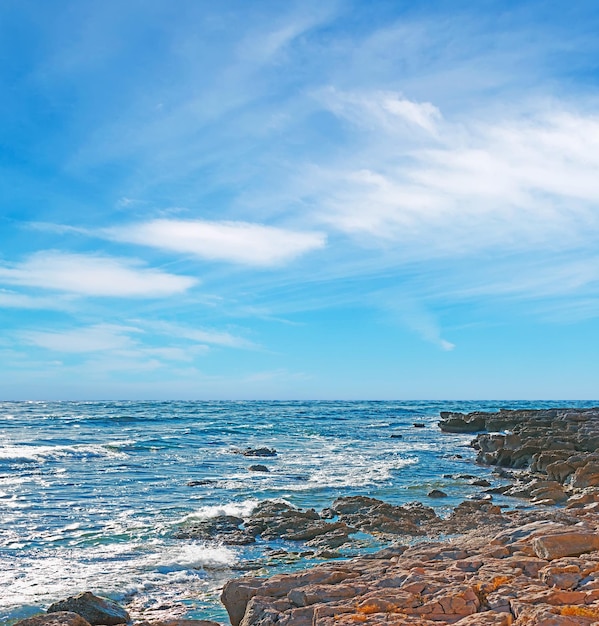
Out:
{"x": 436, "y": 493}
{"x": 96, "y": 610}
{"x": 396, "y": 436}
{"x": 462, "y": 423}
{"x": 419, "y": 425}
{"x": 274, "y": 520}
{"x": 481, "y": 482}
{"x": 375, "y": 516}
{"x": 257, "y": 452}
{"x": 61, "y": 618}
{"x": 201, "y": 483}
{"x": 328, "y": 554}
{"x": 225, "y": 528}
{"x": 331, "y": 539}
{"x": 258, "y": 468}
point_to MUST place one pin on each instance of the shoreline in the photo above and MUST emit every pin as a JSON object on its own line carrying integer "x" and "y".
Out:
{"x": 530, "y": 572}
{"x": 513, "y": 450}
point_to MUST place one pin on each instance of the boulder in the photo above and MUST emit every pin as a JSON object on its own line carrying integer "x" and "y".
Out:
{"x": 436, "y": 493}
{"x": 586, "y": 476}
{"x": 258, "y": 468}
{"x": 96, "y": 610}
{"x": 61, "y": 618}
{"x": 565, "y": 544}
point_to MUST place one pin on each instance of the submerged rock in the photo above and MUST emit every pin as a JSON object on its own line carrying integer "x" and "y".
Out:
{"x": 61, "y": 618}
{"x": 256, "y": 452}
{"x": 258, "y": 468}
{"x": 224, "y": 528}
{"x": 96, "y": 610}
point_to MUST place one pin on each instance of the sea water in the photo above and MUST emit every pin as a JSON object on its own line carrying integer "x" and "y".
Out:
{"x": 92, "y": 494}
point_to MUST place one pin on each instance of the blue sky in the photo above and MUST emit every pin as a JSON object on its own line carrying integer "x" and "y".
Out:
{"x": 326, "y": 199}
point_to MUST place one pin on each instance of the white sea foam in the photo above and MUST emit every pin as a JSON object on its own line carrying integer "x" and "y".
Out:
{"x": 356, "y": 474}
{"x": 115, "y": 570}
{"x": 237, "y": 509}
{"x": 192, "y": 556}
{"x": 42, "y": 453}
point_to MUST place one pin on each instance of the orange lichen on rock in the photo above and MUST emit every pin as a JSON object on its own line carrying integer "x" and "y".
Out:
{"x": 499, "y": 581}
{"x": 581, "y": 611}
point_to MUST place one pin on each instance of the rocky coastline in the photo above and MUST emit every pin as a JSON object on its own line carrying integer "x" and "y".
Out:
{"x": 481, "y": 564}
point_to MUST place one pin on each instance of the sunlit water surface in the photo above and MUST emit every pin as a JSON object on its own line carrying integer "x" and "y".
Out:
{"x": 92, "y": 493}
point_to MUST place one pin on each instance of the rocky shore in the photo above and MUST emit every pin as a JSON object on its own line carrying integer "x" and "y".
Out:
{"x": 535, "y": 567}
{"x": 553, "y": 453}
{"x": 478, "y": 565}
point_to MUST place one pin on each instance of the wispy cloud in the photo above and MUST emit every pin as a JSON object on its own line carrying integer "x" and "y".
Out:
{"x": 234, "y": 242}
{"x": 98, "y": 338}
{"x": 201, "y": 335}
{"x": 414, "y": 315}
{"x": 13, "y": 300}
{"x": 381, "y": 110}
{"x": 94, "y": 275}
{"x": 518, "y": 182}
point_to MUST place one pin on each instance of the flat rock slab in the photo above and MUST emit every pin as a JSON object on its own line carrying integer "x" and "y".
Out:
{"x": 566, "y": 544}
{"x": 62, "y": 618}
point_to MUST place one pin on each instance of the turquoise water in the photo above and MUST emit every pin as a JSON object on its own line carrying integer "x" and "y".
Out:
{"x": 92, "y": 493}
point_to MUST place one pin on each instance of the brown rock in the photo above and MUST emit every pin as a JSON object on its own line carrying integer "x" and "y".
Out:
{"x": 566, "y": 544}
{"x": 563, "y": 576}
{"x": 586, "y": 476}
{"x": 96, "y": 610}
{"x": 488, "y": 618}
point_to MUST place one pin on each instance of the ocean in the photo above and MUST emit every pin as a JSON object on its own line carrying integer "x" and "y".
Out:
{"x": 92, "y": 494}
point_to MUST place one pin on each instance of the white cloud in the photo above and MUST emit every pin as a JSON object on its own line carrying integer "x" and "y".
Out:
{"x": 201, "y": 335}
{"x": 515, "y": 183}
{"x": 381, "y": 109}
{"x": 12, "y": 300}
{"x": 94, "y": 275}
{"x": 99, "y": 338}
{"x": 177, "y": 354}
{"x": 235, "y": 242}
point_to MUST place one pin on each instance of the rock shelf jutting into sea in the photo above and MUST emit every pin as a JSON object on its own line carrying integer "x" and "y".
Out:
{"x": 305, "y": 512}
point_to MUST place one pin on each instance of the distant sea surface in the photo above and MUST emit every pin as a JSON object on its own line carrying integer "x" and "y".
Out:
{"x": 92, "y": 494}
